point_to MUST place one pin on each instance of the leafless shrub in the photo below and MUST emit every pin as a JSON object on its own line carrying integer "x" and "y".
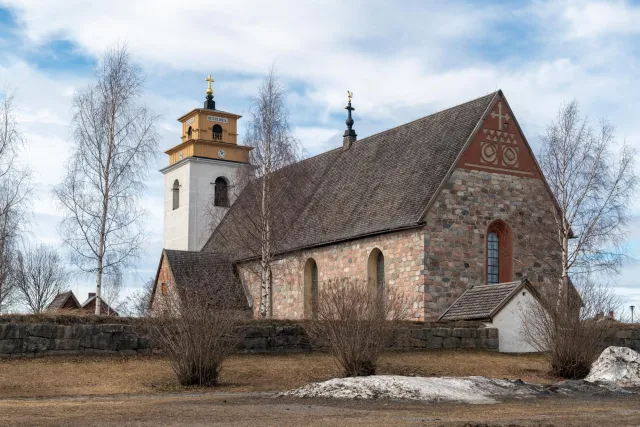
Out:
{"x": 196, "y": 322}
{"x": 573, "y": 338}
{"x": 355, "y": 321}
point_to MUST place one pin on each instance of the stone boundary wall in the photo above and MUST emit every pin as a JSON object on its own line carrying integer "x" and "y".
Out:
{"x": 35, "y": 339}
{"x": 628, "y": 338}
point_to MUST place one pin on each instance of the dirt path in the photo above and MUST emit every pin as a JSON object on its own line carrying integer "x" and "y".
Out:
{"x": 245, "y": 409}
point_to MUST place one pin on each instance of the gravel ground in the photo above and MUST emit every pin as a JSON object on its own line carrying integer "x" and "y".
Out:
{"x": 238, "y": 409}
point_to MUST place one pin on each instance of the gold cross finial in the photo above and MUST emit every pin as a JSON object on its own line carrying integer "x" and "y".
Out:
{"x": 349, "y": 95}
{"x": 210, "y": 80}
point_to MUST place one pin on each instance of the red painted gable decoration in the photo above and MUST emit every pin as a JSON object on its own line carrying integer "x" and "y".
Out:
{"x": 499, "y": 146}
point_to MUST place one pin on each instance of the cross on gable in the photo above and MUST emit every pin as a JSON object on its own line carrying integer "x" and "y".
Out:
{"x": 499, "y": 115}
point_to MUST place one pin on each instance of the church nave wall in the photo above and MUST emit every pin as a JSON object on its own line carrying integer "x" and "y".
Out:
{"x": 404, "y": 268}
{"x": 456, "y": 228}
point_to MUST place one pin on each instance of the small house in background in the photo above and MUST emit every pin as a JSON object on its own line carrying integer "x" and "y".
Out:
{"x": 64, "y": 301}
{"x": 90, "y": 306}
{"x": 67, "y": 301}
{"x": 500, "y": 306}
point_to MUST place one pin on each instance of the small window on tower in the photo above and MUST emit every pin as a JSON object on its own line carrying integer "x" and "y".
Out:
{"x": 189, "y": 133}
{"x": 217, "y": 132}
{"x": 163, "y": 288}
{"x": 176, "y": 194}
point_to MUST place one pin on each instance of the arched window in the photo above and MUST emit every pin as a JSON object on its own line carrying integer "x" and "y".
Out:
{"x": 493, "y": 258}
{"x": 499, "y": 253}
{"x": 176, "y": 194}
{"x": 310, "y": 288}
{"x": 221, "y": 193}
{"x": 189, "y": 133}
{"x": 375, "y": 269}
{"x": 217, "y": 132}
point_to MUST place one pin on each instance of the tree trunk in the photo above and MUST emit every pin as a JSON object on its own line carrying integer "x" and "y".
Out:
{"x": 264, "y": 260}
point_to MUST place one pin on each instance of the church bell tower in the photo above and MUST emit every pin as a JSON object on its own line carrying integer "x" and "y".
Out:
{"x": 202, "y": 178}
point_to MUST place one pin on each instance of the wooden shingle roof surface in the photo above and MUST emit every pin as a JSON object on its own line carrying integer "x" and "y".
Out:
{"x": 381, "y": 183}
{"x": 191, "y": 267}
{"x": 482, "y": 302}
{"x": 61, "y": 299}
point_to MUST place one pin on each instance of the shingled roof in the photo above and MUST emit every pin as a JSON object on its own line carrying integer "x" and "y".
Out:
{"x": 381, "y": 183}
{"x": 188, "y": 267}
{"x": 64, "y": 300}
{"x": 484, "y": 302}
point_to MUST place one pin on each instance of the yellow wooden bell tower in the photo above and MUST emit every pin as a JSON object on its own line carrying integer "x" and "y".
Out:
{"x": 209, "y": 133}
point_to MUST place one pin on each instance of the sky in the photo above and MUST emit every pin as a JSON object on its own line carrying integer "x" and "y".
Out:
{"x": 402, "y": 60}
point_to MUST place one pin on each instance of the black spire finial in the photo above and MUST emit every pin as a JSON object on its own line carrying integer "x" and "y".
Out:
{"x": 349, "y": 135}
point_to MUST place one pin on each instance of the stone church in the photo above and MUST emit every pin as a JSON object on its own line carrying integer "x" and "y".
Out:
{"x": 431, "y": 208}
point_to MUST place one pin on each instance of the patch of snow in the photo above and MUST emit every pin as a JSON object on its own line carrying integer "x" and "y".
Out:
{"x": 431, "y": 389}
{"x": 619, "y": 365}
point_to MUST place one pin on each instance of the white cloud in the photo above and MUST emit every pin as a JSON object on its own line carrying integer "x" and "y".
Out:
{"x": 595, "y": 19}
{"x": 402, "y": 61}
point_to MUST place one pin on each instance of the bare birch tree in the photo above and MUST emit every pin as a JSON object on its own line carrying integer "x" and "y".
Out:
{"x": 594, "y": 183}
{"x": 39, "y": 276}
{"x": 115, "y": 142}
{"x": 15, "y": 189}
{"x": 269, "y": 185}
{"x": 111, "y": 288}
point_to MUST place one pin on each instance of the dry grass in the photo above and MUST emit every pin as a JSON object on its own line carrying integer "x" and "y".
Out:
{"x": 102, "y": 375}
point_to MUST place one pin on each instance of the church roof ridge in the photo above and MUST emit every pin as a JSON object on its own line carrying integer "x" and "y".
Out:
{"x": 425, "y": 117}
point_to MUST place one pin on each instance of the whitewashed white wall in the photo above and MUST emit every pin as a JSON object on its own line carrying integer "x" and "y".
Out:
{"x": 188, "y": 227}
{"x": 509, "y": 322}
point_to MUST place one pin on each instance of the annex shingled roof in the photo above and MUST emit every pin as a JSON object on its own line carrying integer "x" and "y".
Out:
{"x": 381, "y": 183}
{"x": 483, "y": 302}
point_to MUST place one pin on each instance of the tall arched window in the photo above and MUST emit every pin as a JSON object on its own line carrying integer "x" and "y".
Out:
{"x": 217, "y": 132}
{"x": 221, "y": 193}
{"x": 375, "y": 269}
{"x": 189, "y": 133}
{"x": 310, "y": 288}
{"x": 499, "y": 253}
{"x": 176, "y": 194}
{"x": 493, "y": 258}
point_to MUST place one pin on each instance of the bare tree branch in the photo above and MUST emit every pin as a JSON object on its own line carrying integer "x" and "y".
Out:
{"x": 15, "y": 190}
{"x": 115, "y": 142}
{"x": 39, "y": 276}
{"x": 269, "y": 186}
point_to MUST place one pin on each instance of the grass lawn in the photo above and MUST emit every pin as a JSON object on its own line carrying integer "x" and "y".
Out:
{"x": 56, "y": 376}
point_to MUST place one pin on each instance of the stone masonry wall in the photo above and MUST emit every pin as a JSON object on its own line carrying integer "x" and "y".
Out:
{"x": 37, "y": 339}
{"x": 435, "y": 265}
{"x": 404, "y": 267}
{"x": 455, "y": 232}
{"x": 30, "y": 339}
